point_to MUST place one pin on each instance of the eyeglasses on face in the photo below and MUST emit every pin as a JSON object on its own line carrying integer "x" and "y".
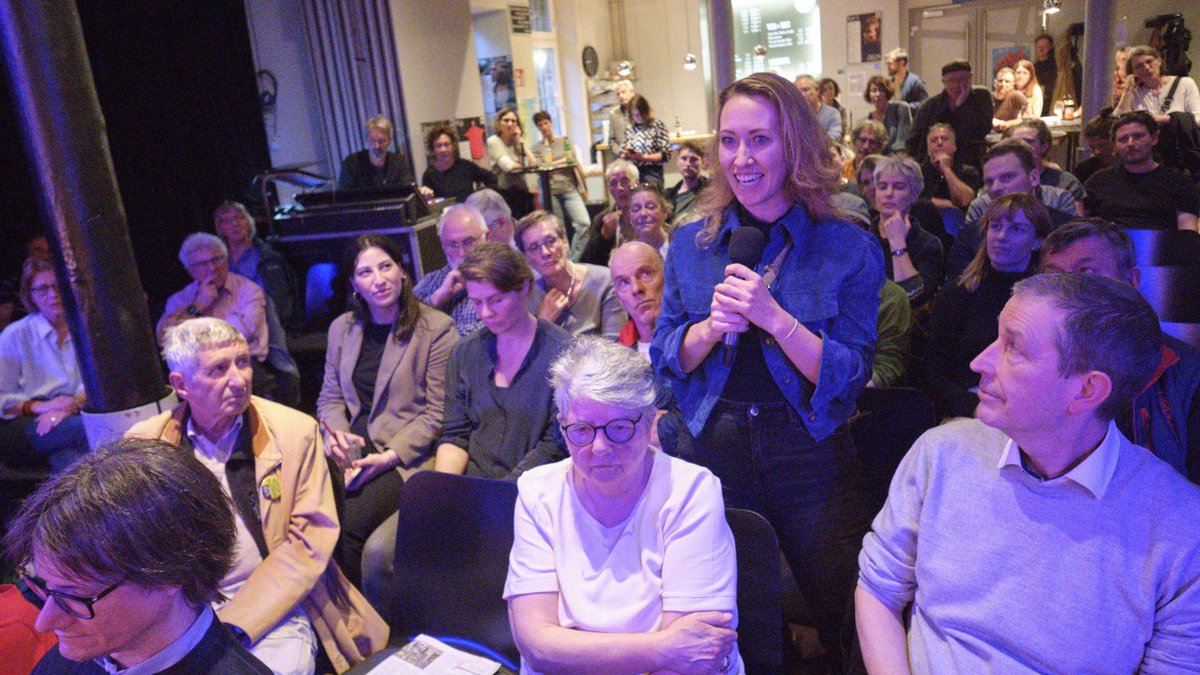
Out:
{"x": 208, "y": 262}
{"x": 460, "y": 245}
{"x": 75, "y": 605}
{"x": 549, "y": 244}
{"x": 616, "y": 431}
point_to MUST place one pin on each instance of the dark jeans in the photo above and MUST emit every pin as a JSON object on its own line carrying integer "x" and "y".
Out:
{"x": 367, "y": 508}
{"x": 812, "y": 493}
{"x": 21, "y": 446}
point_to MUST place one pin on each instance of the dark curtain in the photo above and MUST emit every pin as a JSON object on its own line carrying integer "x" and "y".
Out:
{"x": 177, "y": 86}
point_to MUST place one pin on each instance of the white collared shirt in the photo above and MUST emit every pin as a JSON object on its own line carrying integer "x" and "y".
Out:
{"x": 214, "y": 455}
{"x": 33, "y": 366}
{"x": 1093, "y": 474}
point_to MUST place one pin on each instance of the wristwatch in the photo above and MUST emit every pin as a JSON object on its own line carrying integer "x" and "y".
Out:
{"x": 897, "y": 252}
{"x": 239, "y": 634}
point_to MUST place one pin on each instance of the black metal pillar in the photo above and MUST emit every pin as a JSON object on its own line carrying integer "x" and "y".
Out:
{"x": 64, "y": 136}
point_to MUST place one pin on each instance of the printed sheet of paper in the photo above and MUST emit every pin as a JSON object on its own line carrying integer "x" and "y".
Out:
{"x": 428, "y": 656}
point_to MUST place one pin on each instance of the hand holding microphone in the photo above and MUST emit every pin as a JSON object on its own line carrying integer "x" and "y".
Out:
{"x": 746, "y": 246}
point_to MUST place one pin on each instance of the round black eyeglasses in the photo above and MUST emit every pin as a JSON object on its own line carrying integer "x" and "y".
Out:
{"x": 616, "y": 431}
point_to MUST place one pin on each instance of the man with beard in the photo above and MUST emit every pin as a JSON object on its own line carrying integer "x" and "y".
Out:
{"x": 1140, "y": 192}
{"x": 375, "y": 166}
{"x": 684, "y": 193}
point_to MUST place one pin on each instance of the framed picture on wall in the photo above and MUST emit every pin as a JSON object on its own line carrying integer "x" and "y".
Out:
{"x": 496, "y": 75}
{"x": 864, "y": 37}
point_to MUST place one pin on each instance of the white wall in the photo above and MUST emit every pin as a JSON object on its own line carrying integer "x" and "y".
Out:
{"x": 435, "y": 48}
{"x": 833, "y": 46}
{"x": 579, "y": 24}
{"x": 657, "y": 35}
{"x": 280, "y": 46}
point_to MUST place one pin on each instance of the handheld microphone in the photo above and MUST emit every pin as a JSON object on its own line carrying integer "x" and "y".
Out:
{"x": 746, "y": 246}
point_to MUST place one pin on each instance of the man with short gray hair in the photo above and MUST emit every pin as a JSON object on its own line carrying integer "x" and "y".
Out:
{"x": 285, "y": 591}
{"x": 217, "y": 292}
{"x": 1011, "y": 539}
{"x": 496, "y": 213}
{"x": 459, "y": 228}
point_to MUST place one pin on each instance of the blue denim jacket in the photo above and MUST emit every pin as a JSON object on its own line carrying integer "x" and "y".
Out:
{"x": 830, "y": 281}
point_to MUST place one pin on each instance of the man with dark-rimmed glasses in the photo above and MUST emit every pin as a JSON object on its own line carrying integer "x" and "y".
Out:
{"x": 126, "y": 549}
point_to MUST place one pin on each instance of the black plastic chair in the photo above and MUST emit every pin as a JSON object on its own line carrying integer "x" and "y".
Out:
{"x": 760, "y": 631}
{"x": 1172, "y": 292}
{"x": 1188, "y": 332}
{"x": 888, "y": 422}
{"x": 1162, "y": 247}
{"x": 452, "y": 544}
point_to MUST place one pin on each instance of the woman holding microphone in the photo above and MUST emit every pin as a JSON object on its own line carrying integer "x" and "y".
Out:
{"x": 792, "y": 290}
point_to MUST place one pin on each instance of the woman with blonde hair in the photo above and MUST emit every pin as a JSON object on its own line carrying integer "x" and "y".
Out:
{"x": 509, "y": 154}
{"x": 774, "y": 268}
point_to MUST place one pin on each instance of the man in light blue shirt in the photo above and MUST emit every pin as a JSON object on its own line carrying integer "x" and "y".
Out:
{"x": 827, "y": 116}
{"x": 1037, "y": 537}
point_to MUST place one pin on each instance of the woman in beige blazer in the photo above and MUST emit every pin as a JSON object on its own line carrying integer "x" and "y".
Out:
{"x": 390, "y": 350}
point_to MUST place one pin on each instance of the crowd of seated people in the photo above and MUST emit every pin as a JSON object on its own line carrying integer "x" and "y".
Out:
{"x": 701, "y": 349}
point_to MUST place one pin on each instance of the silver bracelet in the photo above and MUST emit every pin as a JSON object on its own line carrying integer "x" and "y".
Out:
{"x": 793, "y": 330}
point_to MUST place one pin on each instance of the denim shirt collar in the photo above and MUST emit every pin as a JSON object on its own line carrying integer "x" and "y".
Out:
{"x": 797, "y": 223}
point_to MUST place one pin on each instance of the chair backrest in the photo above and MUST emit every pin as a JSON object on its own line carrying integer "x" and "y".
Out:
{"x": 1172, "y": 292}
{"x": 318, "y": 289}
{"x": 1158, "y": 247}
{"x": 452, "y": 544}
{"x": 760, "y": 637}
{"x": 889, "y": 421}
{"x": 1188, "y": 332}
{"x": 953, "y": 218}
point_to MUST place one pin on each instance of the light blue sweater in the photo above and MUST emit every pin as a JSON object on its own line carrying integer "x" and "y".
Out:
{"x": 1005, "y": 573}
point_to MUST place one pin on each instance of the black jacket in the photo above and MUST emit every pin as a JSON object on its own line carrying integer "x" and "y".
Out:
{"x": 217, "y": 652}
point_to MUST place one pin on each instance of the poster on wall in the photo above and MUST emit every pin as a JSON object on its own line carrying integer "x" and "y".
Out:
{"x": 1007, "y": 57}
{"x": 778, "y": 36}
{"x": 863, "y": 37}
{"x": 496, "y": 73}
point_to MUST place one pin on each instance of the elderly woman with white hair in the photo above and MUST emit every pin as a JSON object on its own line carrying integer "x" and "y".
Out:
{"x": 622, "y": 560}
{"x": 611, "y": 226}
{"x": 912, "y": 256}
{"x": 255, "y": 259}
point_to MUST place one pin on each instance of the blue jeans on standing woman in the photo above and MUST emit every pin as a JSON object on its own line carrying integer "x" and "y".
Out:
{"x": 813, "y": 493}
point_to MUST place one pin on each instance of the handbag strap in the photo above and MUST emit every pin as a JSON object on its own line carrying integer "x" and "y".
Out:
{"x": 1170, "y": 96}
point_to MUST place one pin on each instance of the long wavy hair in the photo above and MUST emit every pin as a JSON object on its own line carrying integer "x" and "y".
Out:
{"x": 809, "y": 177}
{"x": 410, "y": 307}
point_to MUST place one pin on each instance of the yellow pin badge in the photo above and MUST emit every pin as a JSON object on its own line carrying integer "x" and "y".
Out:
{"x": 271, "y": 488}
